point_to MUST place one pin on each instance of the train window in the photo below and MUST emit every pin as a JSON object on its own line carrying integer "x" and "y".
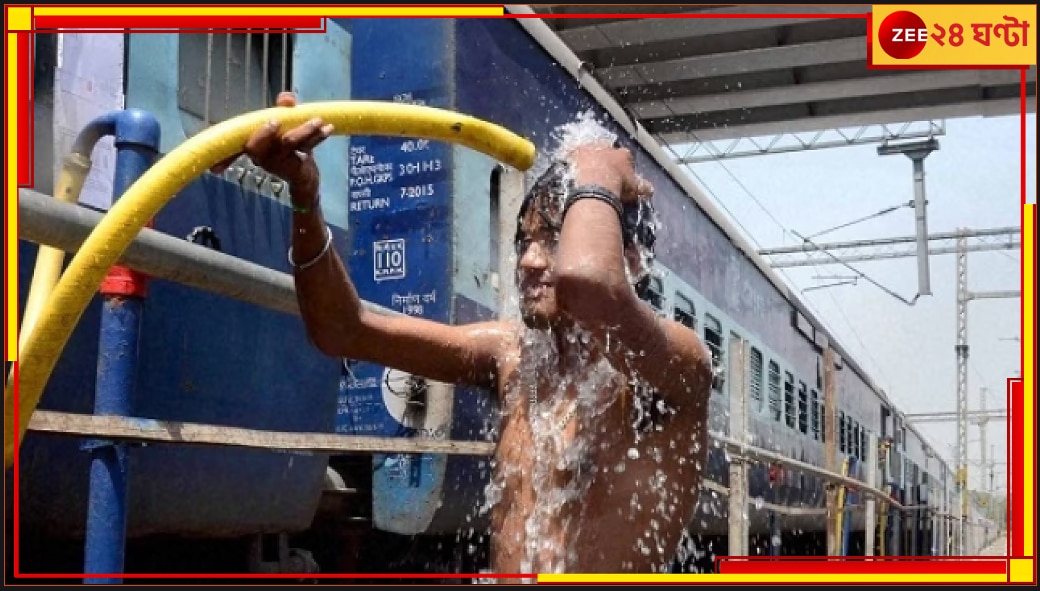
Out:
{"x": 789, "y": 410}
{"x": 655, "y": 294}
{"x": 849, "y": 448}
{"x": 713, "y": 336}
{"x": 225, "y": 74}
{"x": 803, "y": 408}
{"x": 814, "y": 403}
{"x": 775, "y": 404}
{"x": 855, "y": 440}
{"x": 841, "y": 431}
{"x": 683, "y": 312}
{"x": 755, "y": 378}
{"x": 863, "y": 443}
{"x": 823, "y": 422}
{"x": 850, "y": 442}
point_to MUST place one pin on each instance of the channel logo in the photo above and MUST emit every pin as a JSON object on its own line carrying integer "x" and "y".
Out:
{"x": 903, "y": 35}
{"x": 952, "y": 36}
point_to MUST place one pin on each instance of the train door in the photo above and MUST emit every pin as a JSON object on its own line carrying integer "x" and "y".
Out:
{"x": 506, "y": 194}
{"x": 713, "y": 339}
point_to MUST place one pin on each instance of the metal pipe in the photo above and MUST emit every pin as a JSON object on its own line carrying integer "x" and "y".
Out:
{"x": 870, "y": 504}
{"x": 227, "y": 77}
{"x": 48, "y": 221}
{"x": 209, "y": 79}
{"x": 920, "y": 214}
{"x": 938, "y": 236}
{"x": 285, "y": 62}
{"x": 994, "y": 295}
{"x": 93, "y": 131}
{"x": 917, "y": 152}
{"x": 247, "y": 63}
{"x": 846, "y": 517}
{"x": 265, "y": 83}
{"x": 738, "y": 469}
{"x": 109, "y": 466}
{"x": 137, "y": 147}
{"x": 748, "y": 451}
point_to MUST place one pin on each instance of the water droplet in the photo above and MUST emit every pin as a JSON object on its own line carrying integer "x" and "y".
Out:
{"x": 759, "y": 502}
{"x": 643, "y": 548}
{"x": 633, "y": 453}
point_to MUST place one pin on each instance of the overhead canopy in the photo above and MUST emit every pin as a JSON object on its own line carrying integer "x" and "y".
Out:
{"x": 705, "y": 78}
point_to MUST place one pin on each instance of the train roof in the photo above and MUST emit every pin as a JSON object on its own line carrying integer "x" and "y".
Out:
{"x": 555, "y": 46}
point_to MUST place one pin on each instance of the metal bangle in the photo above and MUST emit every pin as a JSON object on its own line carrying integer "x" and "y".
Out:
{"x": 595, "y": 192}
{"x": 318, "y": 257}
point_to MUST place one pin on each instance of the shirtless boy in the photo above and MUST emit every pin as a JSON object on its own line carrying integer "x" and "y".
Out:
{"x": 604, "y": 403}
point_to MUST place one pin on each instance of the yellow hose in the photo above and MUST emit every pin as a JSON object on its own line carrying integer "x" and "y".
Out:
{"x": 49, "y": 260}
{"x": 172, "y": 173}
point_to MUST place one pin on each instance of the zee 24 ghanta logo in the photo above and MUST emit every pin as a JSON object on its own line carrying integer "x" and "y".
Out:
{"x": 903, "y": 34}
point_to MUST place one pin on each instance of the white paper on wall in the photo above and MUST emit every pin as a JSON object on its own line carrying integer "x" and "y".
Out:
{"x": 88, "y": 84}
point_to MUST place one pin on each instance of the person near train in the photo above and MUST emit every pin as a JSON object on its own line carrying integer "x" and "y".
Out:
{"x": 603, "y": 434}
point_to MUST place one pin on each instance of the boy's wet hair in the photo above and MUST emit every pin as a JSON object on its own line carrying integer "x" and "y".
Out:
{"x": 548, "y": 194}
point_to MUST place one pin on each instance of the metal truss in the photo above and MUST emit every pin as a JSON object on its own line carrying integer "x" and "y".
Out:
{"x": 709, "y": 151}
{"x": 975, "y": 416}
{"x": 1008, "y": 238}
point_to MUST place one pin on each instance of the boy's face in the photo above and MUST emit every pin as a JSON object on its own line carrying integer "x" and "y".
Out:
{"x": 536, "y": 278}
{"x": 536, "y": 262}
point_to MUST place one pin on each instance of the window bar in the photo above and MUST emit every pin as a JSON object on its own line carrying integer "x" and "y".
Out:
{"x": 227, "y": 76}
{"x": 285, "y": 60}
{"x": 264, "y": 85}
{"x": 245, "y": 65}
{"x": 209, "y": 78}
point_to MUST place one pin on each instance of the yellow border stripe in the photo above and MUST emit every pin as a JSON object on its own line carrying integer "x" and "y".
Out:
{"x": 326, "y": 11}
{"x": 11, "y": 220}
{"x": 779, "y": 578}
{"x": 1022, "y": 570}
{"x": 19, "y": 18}
{"x": 1028, "y": 455}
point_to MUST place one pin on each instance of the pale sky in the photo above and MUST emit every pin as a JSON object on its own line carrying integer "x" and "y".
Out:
{"x": 972, "y": 181}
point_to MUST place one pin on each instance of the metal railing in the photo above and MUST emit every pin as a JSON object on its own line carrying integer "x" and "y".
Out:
{"x": 46, "y": 220}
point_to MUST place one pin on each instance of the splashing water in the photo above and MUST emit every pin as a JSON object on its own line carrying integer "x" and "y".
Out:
{"x": 552, "y": 401}
{"x": 550, "y": 414}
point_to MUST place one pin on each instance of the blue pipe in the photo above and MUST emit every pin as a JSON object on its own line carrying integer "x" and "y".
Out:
{"x": 130, "y": 127}
{"x": 137, "y": 137}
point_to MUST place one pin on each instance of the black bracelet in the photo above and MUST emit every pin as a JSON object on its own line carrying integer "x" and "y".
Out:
{"x": 304, "y": 209}
{"x": 594, "y": 192}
